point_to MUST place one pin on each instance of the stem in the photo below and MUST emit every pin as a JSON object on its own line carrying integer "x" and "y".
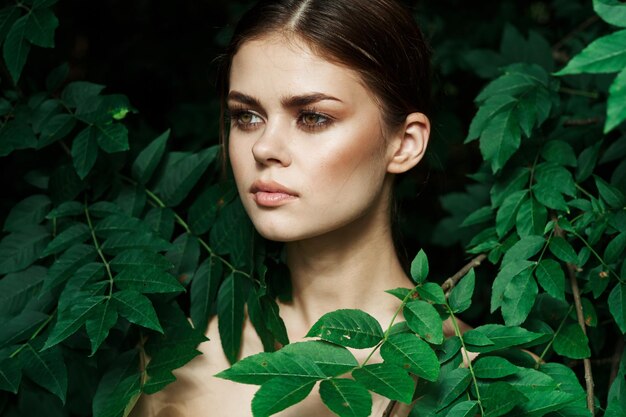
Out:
{"x": 583, "y": 93}
{"x": 34, "y": 335}
{"x": 594, "y": 253}
{"x": 571, "y": 270}
{"x": 449, "y": 284}
{"x": 457, "y": 331}
{"x": 543, "y": 354}
{"x": 98, "y": 249}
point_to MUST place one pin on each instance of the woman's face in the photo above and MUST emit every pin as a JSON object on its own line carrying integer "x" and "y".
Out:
{"x": 306, "y": 142}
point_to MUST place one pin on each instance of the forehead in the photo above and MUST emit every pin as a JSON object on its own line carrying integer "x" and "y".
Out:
{"x": 278, "y": 65}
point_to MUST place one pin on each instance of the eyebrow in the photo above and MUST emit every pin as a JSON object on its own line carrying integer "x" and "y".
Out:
{"x": 290, "y": 102}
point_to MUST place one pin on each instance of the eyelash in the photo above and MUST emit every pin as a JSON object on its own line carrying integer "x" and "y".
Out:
{"x": 234, "y": 114}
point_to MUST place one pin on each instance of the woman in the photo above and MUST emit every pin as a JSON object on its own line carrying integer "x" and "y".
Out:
{"x": 327, "y": 103}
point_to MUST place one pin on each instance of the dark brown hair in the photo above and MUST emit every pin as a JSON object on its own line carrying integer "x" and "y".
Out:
{"x": 378, "y": 39}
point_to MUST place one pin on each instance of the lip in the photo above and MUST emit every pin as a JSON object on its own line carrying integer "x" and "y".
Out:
{"x": 271, "y": 194}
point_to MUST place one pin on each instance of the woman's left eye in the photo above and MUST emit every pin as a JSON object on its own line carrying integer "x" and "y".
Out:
{"x": 312, "y": 120}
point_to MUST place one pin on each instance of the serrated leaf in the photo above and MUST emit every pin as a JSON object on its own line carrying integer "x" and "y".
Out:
{"x": 587, "y": 160}
{"x": 603, "y": 55}
{"x": 494, "y": 367}
{"x": 278, "y": 394}
{"x": 348, "y": 327}
{"x": 460, "y": 298}
{"x": 28, "y": 212}
{"x": 20, "y": 327}
{"x": 204, "y": 287}
{"x": 562, "y": 249}
{"x": 76, "y": 93}
{"x": 464, "y": 409}
{"x": 499, "y": 398}
{"x": 233, "y": 234}
{"x": 16, "y": 48}
{"x": 15, "y": 134}
{"x": 486, "y": 112}
{"x": 19, "y": 250}
{"x": 71, "y": 319}
{"x": 613, "y": 197}
{"x": 149, "y": 158}
{"x": 139, "y": 258}
{"x": 112, "y": 137}
{"x": 419, "y": 267}
{"x": 40, "y": 27}
{"x": 615, "y": 248}
{"x": 500, "y": 139}
{"x": 559, "y": 152}
{"x": 540, "y": 405}
{"x": 432, "y": 292}
{"x": 519, "y": 298}
{"x": 76, "y": 233}
{"x": 103, "y": 319}
{"x": 203, "y": 212}
{"x": 147, "y": 279}
{"x": 67, "y": 209}
{"x": 137, "y": 309}
{"x": 504, "y": 278}
{"x": 505, "y": 217}
{"x": 449, "y": 349}
{"x": 616, "y": 109}
{"x": 274, "y": 321}
{"x": 116, "y": 223}
{"x": 525, "y": 248}
{"x": 571, "y": 342}
{"x": 333, "y": 360}
{"x": 551, "y": 277}
{"x": 399, "y": 293}
{"x": 135, "y": 240}
{"x": 67, "y": 264}
{"x": 161, "y": 221}
{"x": 10, "y": 375}
{"x": 502, "y": 337}
{"x": 46, "y": 368}
{"x": 184, "y": 254}
{"x": 424, "y": 320}
{"x": 84, "y": 152}
{"x": 16, "y": 289}
{"x": 611, "y": 11}
{"x": 262, "y": 367}
{"x": 181, "y": 176}
{"x": 388, "y": 380}
{"x": 617, "y": 305}
{"x": 531, "y": 218}
{"x": 453, "y": 384}
{"x": 119, "y": 386}
{"x": 411, "y": 353}
{"x": 346, "y": 398}
{"x": 8, "y": 16}
{"x": 231, "y": 298}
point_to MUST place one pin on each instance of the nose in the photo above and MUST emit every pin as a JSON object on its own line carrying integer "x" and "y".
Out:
{"x": 271, "y": 147}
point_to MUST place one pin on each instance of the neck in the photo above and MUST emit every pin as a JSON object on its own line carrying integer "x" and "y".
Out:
{"x": 347, "y": 268}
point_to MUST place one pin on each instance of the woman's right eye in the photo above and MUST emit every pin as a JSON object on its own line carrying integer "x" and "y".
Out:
{"x": 246, "y": 120}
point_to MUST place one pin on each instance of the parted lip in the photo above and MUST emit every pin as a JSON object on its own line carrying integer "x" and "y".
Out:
{"x": 271, "y": 187}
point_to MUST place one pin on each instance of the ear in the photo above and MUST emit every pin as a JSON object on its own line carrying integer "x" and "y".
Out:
{"x": 408, "y": 145}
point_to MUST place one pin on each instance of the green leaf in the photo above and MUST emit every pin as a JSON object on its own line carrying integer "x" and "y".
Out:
{"x": 46, "y": 368}
{"x": 346, "y": 398}
{"x": 140, "y": 240}
{"x": 117, "y": 223}
{"x": 519, "y": 298}
{"x": 549, "y": 196}
{"x": 464, "y": 409}
{"x": 461, "y": 296}
{"x": 203, "y": 212}
{"x": 28, "y": 212}
{"x": 603, "y": 55}
{"x": 531, "y": 218}
{"x": 613, "y": 197}
{"x": 551, "y": 277}
{"x": 8, "y": 16}
{"x": 76, "y": 233}
{"x": 139, "y": 258}
{"x": 278, "y": 394}
{"x": 16, "y": 135}
{"x": 587, "y": 161}
{"x": 449, "y": 349}
{"x": 525, "y": 248}
{"x": 230, "y": 312}
{"x": 18, "y": 288}
{"x": 70, "y": 320}
{"x": 347, "y": 327}
{"x": 182, "y": 175}
{"x": 112, "y": 137}
{"x": 184, "y": 254}
{"x": 262, "y": 367}
{"x": 56, "y": 128}
{"x": 204, "y": 287}
{"x": 333, "y": 360}
{"x": 388, "y": 380}
{"x": 615, "y": 248}
{"x": 424, "y": 320}
{"x": 540, "y": 405}
{"x": 76, "y": 93}
{"x": 119, "y": 387}
{"x": 616, "y": 109}
{"x": 499, "y": 398}
{"x": 419, "y": 267}
{"x": 559, "y": 152}
{"x": 10, "y": 375}
{"x": 501, "y": 337}
{"x": 431, "y": 292}
{"x": 16, "y": 48}
{"x": 500, "y": 139}
{"x": 411, "y": 353}
{"x": 399, "y": 293}
{"x": 571, "y": 342}
{"x": 233, "y": 234}
{"x": 493, "y": 367}
{"x": 505, "y": 217}
{"x": 67, "y": 264}
{"x": 562, "y": 249}
{"x": 453, "y": 384}
{"x": 20, "y": 249}
{"x": 137, "y": 309}
{"x": 611, "y": 11}
{"x": 486, "y": 112}
{"x": 84, "y": 152}
{"x": 103, "y": 319}
{"x": 274, "y": 322}
{"x": 20, "y": 327}
{"x": 161, "y": 221}
{"x": 617, "y": 305}
{"x": 149, "y": 158}
{"x": 40, "y": 27}
{"x": 147, "y": 279}
{"x": 504, "y": 278}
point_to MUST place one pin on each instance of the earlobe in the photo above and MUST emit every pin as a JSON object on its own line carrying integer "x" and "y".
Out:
{"x": 409, "y": 143}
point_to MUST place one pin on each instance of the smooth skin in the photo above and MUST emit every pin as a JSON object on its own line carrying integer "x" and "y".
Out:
{"x": 313, "y": 127}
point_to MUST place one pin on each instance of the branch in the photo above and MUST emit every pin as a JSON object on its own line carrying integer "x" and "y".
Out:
{"x": 571, "y": 271}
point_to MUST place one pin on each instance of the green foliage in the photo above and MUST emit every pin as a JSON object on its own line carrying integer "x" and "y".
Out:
{"x": 124, "y": 232}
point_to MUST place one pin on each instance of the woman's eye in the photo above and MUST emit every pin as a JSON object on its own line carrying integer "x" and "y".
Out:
{"x": 246, "y": 120}
{"x": 314, "y": 120}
